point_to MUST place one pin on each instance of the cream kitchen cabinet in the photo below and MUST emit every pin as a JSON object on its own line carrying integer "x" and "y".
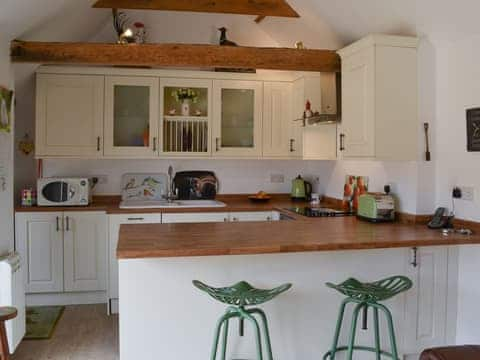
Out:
{"x": 69, "y": 115}
{"x": 277, "y": 117}
{"x": 237, "y": 118}
{"x": 62, "y": 251}
{"x": 255, "y": 216}
{"x": 185, "y": 128}
{"x": 131, "y": 116}
{"x": 426, "y": 303}
{"x": 200, "y": 217}
{"x": 85, "y": 251}
{"x": 379, "y": 99}
{"x": 39, "y": 240}
{"x": 114, "y": 222}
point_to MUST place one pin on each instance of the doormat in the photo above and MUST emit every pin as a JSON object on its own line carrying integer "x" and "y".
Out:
{"x": 42, "y": 321}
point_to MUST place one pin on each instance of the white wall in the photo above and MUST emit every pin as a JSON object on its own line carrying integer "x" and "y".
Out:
{"x": 6, "y": 159}
{"x": 459, "y": 89}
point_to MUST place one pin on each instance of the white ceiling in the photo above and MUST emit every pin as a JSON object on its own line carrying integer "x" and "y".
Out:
{"x": 325, "y": 23}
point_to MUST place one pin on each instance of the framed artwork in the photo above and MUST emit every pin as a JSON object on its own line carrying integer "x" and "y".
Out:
{"x": 473, "y": 129}
{"x": 6, "y": 101}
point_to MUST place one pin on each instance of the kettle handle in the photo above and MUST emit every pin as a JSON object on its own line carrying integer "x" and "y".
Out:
{"x": 308, "y": 189}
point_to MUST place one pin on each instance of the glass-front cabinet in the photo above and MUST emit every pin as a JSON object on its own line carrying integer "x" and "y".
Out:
{"x": 237, "y": 124}
{"x": 131, "y": 116}
{"x": 185, "y": 117}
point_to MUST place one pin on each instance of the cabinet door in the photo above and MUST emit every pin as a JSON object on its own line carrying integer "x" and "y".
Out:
{"x": 426, "y": 302}
{"x": 255, "y": 216}
{"x": 296, "y": 126}
{"x": 85, "y": 251}
{"x": 114, "y": 227}
{"x": 186, "y": 113}
{"x": 237, "y": 127}
{"x": 131, "y": 116}
{"x": 69, "y": 115}
{"x": 194, "y": 217}
{"x": 357, "y": 135}
{"x": 39, "y": 240}
{"x": 277, "y": 115}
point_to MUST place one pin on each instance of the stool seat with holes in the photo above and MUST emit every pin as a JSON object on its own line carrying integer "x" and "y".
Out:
{"x": 365, "y": 296}
{"x": 240, "y": 297}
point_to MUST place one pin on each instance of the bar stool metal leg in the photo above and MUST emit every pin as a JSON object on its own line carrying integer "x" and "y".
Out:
{"x": 4, "y": 351}
{"x": 377, "y": 333}
{"x": 266, "y": 333}
{"x": 331, "y": 355}
{"x": 391, "y": 330}
{"x": 353, "y": 330}
{"x": 224, "y": 340}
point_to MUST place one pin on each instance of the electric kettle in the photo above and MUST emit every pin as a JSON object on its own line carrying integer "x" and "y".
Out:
{"x": 301, "y": 189}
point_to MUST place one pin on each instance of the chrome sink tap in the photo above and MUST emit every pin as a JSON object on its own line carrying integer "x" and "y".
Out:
{"x": 171, "y": 195}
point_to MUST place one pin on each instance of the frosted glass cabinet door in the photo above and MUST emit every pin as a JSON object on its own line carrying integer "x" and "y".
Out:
{"x": 237, "y": 118}
{"x": 131, "y": 116}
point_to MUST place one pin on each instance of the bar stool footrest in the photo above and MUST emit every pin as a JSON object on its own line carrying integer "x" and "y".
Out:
{"x": 360, "y": 348}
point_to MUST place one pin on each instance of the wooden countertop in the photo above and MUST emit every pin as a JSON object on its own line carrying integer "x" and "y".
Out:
{"x": 110, "y": 204}
{"x": 301, "y": 235}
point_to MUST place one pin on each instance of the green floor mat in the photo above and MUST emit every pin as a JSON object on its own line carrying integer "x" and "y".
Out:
{"x": 41, "y": 321}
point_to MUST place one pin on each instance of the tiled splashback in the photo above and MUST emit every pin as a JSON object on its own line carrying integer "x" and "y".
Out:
{"x": 250, "y": 176}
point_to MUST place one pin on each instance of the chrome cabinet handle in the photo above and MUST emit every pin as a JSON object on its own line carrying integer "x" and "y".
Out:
{"x": 135, "y": 219}
{"x": 98, "y": 143}
{"x": 154, "y": 144}
{"x": 58, "y": 224}
{"x": 269, "y": 218}
{"x": 67, "y": 219}
{"x": 225, "y": 219}
{"x": 292, "y": 141}
{"x": 235, "y": 219}
{"x": 217, "y": 146}
{"x": 342, "y": 142}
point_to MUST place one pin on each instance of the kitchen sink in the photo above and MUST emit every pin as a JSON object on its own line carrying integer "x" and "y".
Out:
{"x": 163, "y": 204}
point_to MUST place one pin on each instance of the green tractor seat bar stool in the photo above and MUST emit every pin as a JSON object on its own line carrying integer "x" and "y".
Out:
{"x": 365, "y": 296}
{"x": 241, "y": 297}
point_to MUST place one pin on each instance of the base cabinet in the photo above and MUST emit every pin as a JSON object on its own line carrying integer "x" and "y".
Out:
{"x": 62, "y": 251}
{"x": 39, "y": 240}
{"x": 426, "y": 303}
{"x": 85, "y": 252}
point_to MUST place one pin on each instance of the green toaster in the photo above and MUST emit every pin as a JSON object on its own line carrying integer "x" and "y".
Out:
{"x": 376, "y": 207}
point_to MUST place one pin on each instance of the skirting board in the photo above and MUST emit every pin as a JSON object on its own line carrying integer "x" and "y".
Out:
{"x": 97, "y": 297}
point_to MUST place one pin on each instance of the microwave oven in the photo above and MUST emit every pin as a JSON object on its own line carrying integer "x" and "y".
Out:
{"x": 64, "y": 192}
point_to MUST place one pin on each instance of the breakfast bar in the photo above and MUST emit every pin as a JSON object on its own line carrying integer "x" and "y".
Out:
{"x": 157, "y": 264}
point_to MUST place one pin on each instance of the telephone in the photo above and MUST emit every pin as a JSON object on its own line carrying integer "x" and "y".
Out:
{"x": 438, "y": 221}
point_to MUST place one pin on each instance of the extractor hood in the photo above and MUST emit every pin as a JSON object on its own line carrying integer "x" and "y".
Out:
{"x": 329, "y": 110}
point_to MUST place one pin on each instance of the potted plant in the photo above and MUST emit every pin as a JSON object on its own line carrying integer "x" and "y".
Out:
{"x": 186, "y": 96}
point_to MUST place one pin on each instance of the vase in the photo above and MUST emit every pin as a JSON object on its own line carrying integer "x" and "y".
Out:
{"x": 186, "y": 107}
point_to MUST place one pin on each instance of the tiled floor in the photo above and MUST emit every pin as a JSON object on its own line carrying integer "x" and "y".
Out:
{"x": 84, "y": 332}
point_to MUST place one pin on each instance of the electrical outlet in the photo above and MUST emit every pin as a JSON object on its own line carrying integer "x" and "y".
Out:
{"x": 468, "y": 193}
{"x": 277, "y": 178}
{"x": 101, "y": 179}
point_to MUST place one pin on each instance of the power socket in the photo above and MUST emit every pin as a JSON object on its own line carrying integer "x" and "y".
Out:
{"x": 277, "y": 178}
{"x": 468, "y": 193}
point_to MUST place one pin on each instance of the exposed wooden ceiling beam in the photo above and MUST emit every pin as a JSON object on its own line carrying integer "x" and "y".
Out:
{"x": 175, "y": 55}
{"x": 245, "y": 7}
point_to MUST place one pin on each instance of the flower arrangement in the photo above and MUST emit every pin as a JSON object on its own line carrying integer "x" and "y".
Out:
{"x": 183, "y": 94}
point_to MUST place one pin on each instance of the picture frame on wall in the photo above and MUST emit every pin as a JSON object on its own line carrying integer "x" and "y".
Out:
{"x": 473, "y": 129}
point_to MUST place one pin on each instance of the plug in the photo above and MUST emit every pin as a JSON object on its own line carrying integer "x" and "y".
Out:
{"x": 457, "y": 193}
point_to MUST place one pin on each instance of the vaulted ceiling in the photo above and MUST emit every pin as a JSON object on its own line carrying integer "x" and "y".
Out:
{"x": 333, "y": 22}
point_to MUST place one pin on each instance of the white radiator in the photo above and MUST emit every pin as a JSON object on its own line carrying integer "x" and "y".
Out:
{"x": 12, "y": 293}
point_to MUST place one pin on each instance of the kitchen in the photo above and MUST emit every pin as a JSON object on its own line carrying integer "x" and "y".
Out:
{"x": 70, "y": 253}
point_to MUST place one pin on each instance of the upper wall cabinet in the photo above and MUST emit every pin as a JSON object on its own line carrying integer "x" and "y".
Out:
{"x": 277, "y": 117}
{"x": 237, "y": 119}
{"x": 185, "y": 108}
{"x": 69, "y": 112}
{"x": 131, "y": 116}
{"x": 379, "y": 99}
